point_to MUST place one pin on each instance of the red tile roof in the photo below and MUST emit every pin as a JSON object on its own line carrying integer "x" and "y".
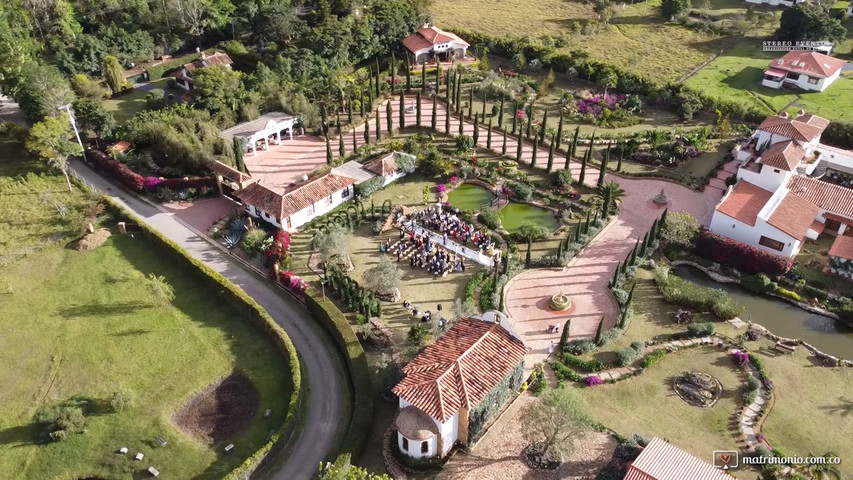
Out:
{"x": 805, "y": 128}
{"x": 794, "y": 216}
{"x": 785, "y": 155}
{"x": 218, "y": 59}
{"x": 228, "y": 172}
{"x": 384, "y": 166}
{"x": 119, "y": 146}
{"x": 292, "y": 201}
{"x": 817, "y": 226}
{"x": 426, "y": 37}
{"x": 830, "y": 197}
{"x": 842, "y": 247}
{"x": 809, "y": 62}
{"x": 663, "y": 461}
{"x": 744, "y": 202}
{"x": 775, "y": 72}
{"x": 460, "y": 369}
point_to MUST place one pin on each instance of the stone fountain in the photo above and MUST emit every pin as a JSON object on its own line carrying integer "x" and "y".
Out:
{"x": 660, "y": 198}
{"x": 560, "y": 302}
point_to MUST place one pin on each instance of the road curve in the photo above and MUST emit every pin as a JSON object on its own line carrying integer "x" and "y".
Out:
{"x": 320, "y": 360}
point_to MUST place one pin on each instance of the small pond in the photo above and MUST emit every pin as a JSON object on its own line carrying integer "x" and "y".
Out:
{"x": 515, "y": 214}
{"x": 470, "y": 197}
{"x": 782, "y": 318}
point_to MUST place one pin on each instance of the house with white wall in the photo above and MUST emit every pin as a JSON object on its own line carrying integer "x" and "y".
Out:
{"x": 430, "y": 42}
{"x": 441, "y": 396}
{"x": 390, "y": 166}
{"x": 298, "y": 204}
{"x": 258, "y": 134}
{"x": 803, "y": 69}
{"x": 779, "y": 199}
{"x": 184, "y": 76}
{"x": 776, "y": 3}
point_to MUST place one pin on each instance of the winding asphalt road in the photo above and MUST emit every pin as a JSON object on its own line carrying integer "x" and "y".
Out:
{"x": 321, "y": 362}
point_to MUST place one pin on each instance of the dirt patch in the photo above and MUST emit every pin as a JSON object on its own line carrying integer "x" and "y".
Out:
{"x": 93, "y": 240}
{"x": 219, "y": 411}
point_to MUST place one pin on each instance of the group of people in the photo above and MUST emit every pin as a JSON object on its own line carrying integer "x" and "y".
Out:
{"x": 450, "y": 226}
{"x": 426, "y": 255}
{"x": 415, "y": 310}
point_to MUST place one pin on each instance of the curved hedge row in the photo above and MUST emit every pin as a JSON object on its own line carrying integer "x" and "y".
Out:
{"x": 331, "y": 318}
{"x": 262, "y": 319}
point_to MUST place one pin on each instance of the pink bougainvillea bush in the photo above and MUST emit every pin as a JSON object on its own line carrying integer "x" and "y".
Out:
{"x": 593, "y": 380}
{"x": 746, "y": 258}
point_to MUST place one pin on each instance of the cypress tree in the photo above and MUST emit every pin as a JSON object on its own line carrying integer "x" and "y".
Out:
{"x": 623, "y": 317}
{"x": 527, "y": 257}
{"x": 418, "y": 110}
{"x": 605, "y": 206}
{"x": 535, "y": 151}
{"x": 574, "y": 149}
{"x": 342, "y": 149}
{"x": 437, "y": 78}
{"x": 361, "y": 102}
{"x": 551, "y": 149}
{"x": 634, "y": 253}
{"x": 654, "y": 231}
{"x": 503, "y": 146}
{"x": 615, "y": 275}
{"x": 378, "y": 73}
{"x": 476, "y": 135}
{"x": 623, "y": 267}
{"x": 502, "y": 306}
{"x": 586, "y": 224}
{"x": 448, "y": 87}
{"x": 564, "y": 338}
{"x": 369, "y": 105}
{"x": 529, "y": 121}
{"x": 434, "y": 119}
{"x": 519, "y": 149}
{"x": 663, "y": 217}
{"x": 501, "y": 113}
{"x": 619, "y": 161}
{"x": 582, "y": 175}
{"x": 603, "y": 169}
{"x": 544, "y": 127}
{"x": 389, "y": 117}
{"x": 578, "y": 231}
{"x": 367, "y": 133}
{"x": 349, "y": 109}
{"x": 560, "y": 130}
{"x": 489, "y": 135}
{"x": 447, "y": 121}
{"x": 393, "y": 67}
{"x": 599, "y": 332}
{"x": 113, "y": 73}
{"x": 458, "y": 102}
{"x": 378, "y": 125}
{"x": 328, "y": 151}
{"x": 514, "y": 116}
{"x": 630, "y": 296}
{"x": 423, "y": 77}
{"x": 402, "y": 113}
{"x": 461, "y": 124}
{"x": 485, "y": 99}
{"x": 354, "y": 141}
{"x": 645, "y": 245}
{"x": 470, "y": 102}
{"x": 568, "y": 158}
{"x": 408, "y": 74}
{"x": 237, "y": 144}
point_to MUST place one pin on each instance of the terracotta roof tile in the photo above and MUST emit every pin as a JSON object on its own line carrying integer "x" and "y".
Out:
{"x": 218, "y": 59}
{"x": 262, "y": 198}
{"x": 785, "y": 155}
{"x": 384, "y": 166}
{"x": 426, "y": 37}
{"x": 794, "y": 128}
{"x": 793, "y": 216}
{"x": 663, "y": 461}
{"x": 809, "y": 62}
{"x": 460, "y": 369}
{"x": 744, "y": 201}
{"x": 842, "y": 247}
{"x": 228, "y": 172}
{"x": 830, "y": 197}
{"x": 312, "y": 192}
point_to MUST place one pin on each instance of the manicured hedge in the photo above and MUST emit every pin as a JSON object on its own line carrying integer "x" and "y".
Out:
{"x": 746, "y": 258}
{"x": 116, "y": 170}
{"x": 254, "y": 313}
{"x": 336, "y": 324}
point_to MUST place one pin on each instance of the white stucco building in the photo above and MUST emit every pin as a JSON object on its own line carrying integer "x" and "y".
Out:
{"x": 184, "y": 76}
{"x": 780, "y": 199}
{"x": 776, "y": 3}
{"x": 447, "y": 381}
{"x": 806, "y": 70}
{"x": 299, "y": 204}
{"x": 388, "y": 166}
{"x": 260, "y": 133}
{"x": 429, "y": 42}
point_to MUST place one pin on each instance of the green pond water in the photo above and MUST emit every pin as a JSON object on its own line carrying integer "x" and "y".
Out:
{"x": 470, "y": 197}
{"x": 515, "y": 214}
{"x": 782, "y": 318}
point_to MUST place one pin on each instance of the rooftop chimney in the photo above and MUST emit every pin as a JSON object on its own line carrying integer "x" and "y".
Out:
{"x": 801, "y": 113}
{"x": 783, "y": 115}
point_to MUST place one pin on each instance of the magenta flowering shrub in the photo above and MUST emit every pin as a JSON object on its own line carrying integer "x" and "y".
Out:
{"x": 291, "y": 281}
{"x": 740, "y": 358}
{"x": 595, "y": 106}
{"x": 454, "y": 179}
{"x": 440, "y": 188}
{"x": 151, "y": 182}
{"x": 593, "y": 380}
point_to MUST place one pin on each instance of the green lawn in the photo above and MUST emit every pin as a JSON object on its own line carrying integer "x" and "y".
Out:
{"x": 819, "y": 250}
{"x": 36, "y": 207}
{"x": 814, "y": 406}
{"x": 83, "y": 324}
{"x": 125, "y": 106}
{"x": 647, "y": 405}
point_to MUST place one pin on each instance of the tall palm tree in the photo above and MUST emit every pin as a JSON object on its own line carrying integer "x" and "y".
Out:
{"x": 613, "y": 191}
{"x": 826, "y": 470}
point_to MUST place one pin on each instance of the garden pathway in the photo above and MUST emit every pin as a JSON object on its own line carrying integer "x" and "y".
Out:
{"x": 320, "y": 360}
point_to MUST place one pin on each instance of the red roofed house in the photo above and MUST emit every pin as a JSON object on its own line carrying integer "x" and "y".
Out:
{"x": 184, "y": 76}
{"x": 804, "y": 69}
{"x": 841, "y": 257}
{"x": 660, "y": 460}
{"x": 780, "y": 199}
{"x": 430, "y": 42}
{"x": 299, "y": 204}
{"x": 456, "y": 384}
{"x": 392, "y": 166}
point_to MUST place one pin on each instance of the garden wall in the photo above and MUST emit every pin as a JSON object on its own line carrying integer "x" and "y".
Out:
{"x": 257, "y": 315}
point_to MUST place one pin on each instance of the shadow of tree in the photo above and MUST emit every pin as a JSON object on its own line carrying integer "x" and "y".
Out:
{"x": 100, "y": 309}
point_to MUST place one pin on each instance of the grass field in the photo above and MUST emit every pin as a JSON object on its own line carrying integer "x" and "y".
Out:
{"x": 124, "y": 107}
{"x": 819, "y": 250}
{"x": 83, "y": 324}
{"x": 738, "y": 72}
{"x": 637, "y": 38}
{"x": 36, "y": 207}
{"x": 813, "y": 413}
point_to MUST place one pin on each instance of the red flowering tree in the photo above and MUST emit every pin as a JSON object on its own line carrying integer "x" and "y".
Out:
{"x": 279, "y": 250}
{"x": 741, "y": 256}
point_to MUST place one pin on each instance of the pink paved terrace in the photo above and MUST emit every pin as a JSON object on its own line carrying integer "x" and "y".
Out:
{"x": 585, "y": 278}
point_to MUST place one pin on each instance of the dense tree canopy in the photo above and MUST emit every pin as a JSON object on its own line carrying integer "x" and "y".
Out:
{"x": 809, "y": 21}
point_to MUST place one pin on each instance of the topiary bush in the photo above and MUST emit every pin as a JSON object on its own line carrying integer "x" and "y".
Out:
{"x": 758, "y": 283}
{"x": 789, "y": 294}
{"x": 700, "y": 329}
{"x": 579, "y": 347}
{"x": 490, "y": 218}
{"x": 627, "y": 356}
